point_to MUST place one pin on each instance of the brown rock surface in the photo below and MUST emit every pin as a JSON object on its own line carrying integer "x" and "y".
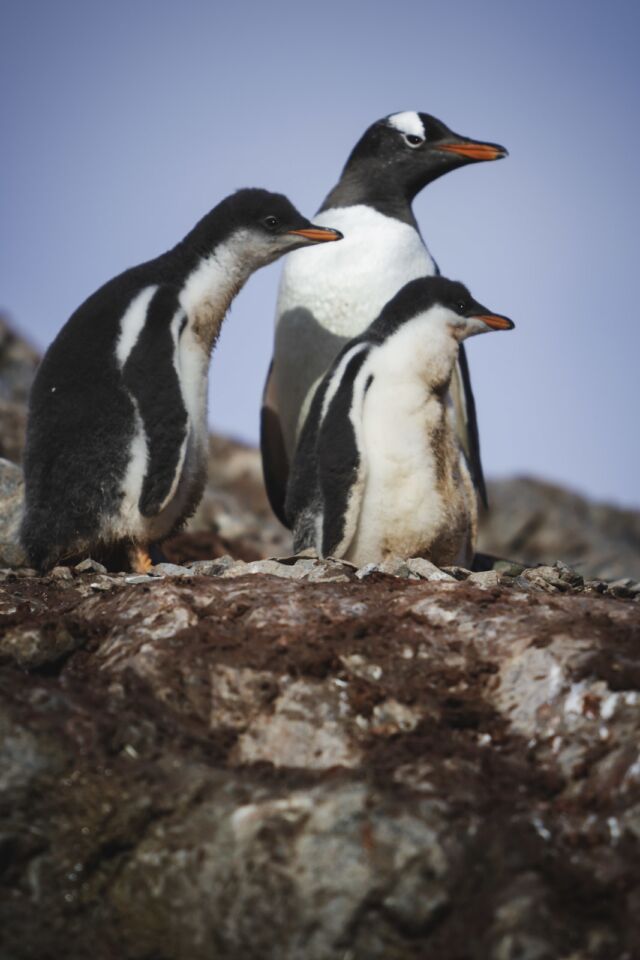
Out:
{"x": 257, "y": 766}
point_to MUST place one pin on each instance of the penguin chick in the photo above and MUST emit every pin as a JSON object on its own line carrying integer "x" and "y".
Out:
{"x": 332, "y": 296}
{"x": 379, "y": 469}
{"x": 117, "y": 431}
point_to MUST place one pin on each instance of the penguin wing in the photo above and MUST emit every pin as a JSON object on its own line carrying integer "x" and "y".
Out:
{"x": 275, "y": 462}
{"x": 466, "y": 421}
{"x": 328, "y": 474}
{"x": 151, "y": 377}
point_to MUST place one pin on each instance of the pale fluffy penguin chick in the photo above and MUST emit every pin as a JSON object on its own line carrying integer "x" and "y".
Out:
{"x": 379, "y": 469}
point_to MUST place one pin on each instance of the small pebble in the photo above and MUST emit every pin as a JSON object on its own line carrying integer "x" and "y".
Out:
{"x": 484, "y": 578}
{"x": 509, "y": 568}
{"x": 171, "y": 570}
{"x": 211, "y": 568}
{"x": 89, "y": 566}
{"x": 427, "y": 570}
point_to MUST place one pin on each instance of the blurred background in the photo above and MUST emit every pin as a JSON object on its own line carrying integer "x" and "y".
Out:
{"x": 123, "y": 123}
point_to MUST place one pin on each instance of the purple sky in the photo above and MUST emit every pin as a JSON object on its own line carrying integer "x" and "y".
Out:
{"x": 124, "y": 122}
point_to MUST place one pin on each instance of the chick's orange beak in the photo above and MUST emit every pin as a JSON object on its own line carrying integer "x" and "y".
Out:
{"x": 495, "y": 321}
{"x": 318, "y": 234}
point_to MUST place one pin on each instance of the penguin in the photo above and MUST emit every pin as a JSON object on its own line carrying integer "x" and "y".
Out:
{"x": 334, "y": 294}
{"x": 380, "y": 469}
{"x": 117, "y": 429}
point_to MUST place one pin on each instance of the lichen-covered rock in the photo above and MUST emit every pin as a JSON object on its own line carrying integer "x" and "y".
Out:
{"x": 265, "y": 766}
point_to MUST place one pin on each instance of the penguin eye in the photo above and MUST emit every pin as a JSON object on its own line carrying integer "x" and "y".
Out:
{"x": 461, "y": 306}
{"x": 271, "y": 223}
{"x": 413, "y": 140}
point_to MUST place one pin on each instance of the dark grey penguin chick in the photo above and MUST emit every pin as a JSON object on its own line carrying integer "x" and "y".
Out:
{"x": 336, "y": 293}
{"x": 117, "y": 431}
{"x": 379, "y": 469}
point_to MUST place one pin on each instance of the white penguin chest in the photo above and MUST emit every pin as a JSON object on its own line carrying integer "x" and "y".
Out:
{"x": 401, "y": 502}
{"x": 345, "y": 285}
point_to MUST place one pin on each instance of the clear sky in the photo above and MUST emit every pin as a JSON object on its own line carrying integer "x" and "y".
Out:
{"x": 124, "y": 122}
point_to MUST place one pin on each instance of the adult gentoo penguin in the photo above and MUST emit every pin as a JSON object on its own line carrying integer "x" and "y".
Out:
{"x": 117, "y": 431}
{"x": 336, "y": 293}
{"x": 379, "y": 469}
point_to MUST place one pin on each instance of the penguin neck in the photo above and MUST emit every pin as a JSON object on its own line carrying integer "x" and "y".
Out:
{"x": 211, "y": 285}
{"x": 421, "y": 352}
{"x": 374, "y": 187}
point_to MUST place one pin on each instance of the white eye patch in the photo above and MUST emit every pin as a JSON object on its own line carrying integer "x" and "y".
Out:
{"x": 408, "y": 123}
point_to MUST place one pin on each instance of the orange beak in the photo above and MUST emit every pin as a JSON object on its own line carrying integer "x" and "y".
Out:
{"x": 475, "y": 151}
{"x": 495, "y": 321}
{"x": 318, "y": 234}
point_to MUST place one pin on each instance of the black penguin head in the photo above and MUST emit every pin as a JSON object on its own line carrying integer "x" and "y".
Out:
{"x": 414, "y": 149}
{"x": 261, "y": 226}
{"x": 440, "y": 303}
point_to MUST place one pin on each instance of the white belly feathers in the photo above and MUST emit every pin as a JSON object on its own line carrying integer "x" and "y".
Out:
{"x": 345, "y": 285}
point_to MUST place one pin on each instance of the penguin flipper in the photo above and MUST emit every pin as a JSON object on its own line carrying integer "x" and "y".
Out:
{"x": 275, "y": 462}
{"x": 467, "y": 422}
{"x": 341, "y": 466}
{"x": 151, "y": 378}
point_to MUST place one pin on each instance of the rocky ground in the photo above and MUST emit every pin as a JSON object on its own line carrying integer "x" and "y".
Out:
{"x": 240, "y": 757}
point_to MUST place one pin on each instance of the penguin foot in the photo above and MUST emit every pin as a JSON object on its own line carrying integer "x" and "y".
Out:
{"x": 139, "y": 559}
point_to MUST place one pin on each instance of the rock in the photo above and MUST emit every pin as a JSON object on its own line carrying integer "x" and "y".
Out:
{"x": 458, "y": 573}
{"x": 624, "y": 587}
{"x": 546, "y": 578}
{"x": 11, "y": 507}
{"x": 267, "y": 766}
{"x": 235, "y": 504}
{"x": 18, "y": 363}
{"x": 392, "y": 566}
{"x": 101, "y": 584}
{"x": 485, "y": 579}
{"x": 61, "y": 573}
{"x": 89, "y": 566}
{"x": 536, "y": 522}
{"x": 428, "y": 571}
{"x": 597, "y": 586}
{"x": 308, "y": 569}
{"x": 359, "y": 666}
{"x": 211, "y": 568}
{"x": 508, "y": 568}
{"x": 37, "y": 645}
{"x": 171, "y": 570}
{"x": 305, "y": 729}
{"x": 569, "y": 575}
